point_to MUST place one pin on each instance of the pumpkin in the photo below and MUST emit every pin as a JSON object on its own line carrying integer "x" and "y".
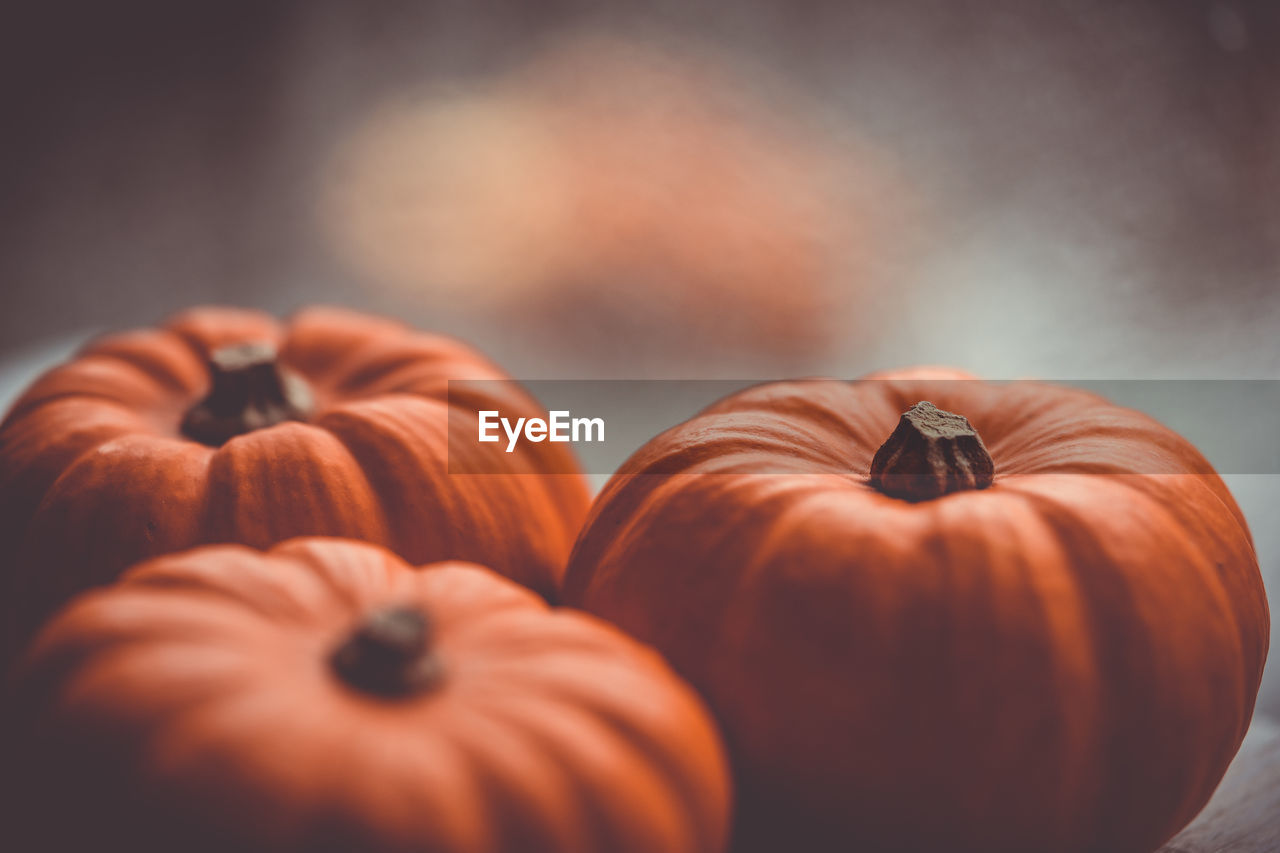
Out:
{"x": 941, "y": 614}
{"x": 227, "y": 426}
{"x": 325, "y": 696}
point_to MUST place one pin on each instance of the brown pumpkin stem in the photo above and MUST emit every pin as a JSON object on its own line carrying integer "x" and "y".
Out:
{"x": 249, "y": 390}
{"x": 930, "y": 454}
{"x": 389, "y": 654}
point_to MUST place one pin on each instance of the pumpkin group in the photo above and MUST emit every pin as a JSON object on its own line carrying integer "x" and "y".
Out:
{"x": 1040, "y": 628}
{"x": 227, "y": 426}
{"x": 325, "y": 696}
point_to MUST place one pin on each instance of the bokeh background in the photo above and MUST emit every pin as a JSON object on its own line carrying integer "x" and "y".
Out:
{"x": 764, "y": 189}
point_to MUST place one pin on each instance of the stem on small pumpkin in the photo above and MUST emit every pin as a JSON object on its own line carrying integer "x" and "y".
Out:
{"x": 930, "y": 454}
{"x": 389, "y": 654}
{"x": 249, "y": 390}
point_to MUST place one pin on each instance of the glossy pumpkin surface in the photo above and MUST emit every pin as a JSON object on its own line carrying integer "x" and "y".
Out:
{"x": 1064, "y": 660}
{"x": 99, "y": 469}
{"x": 204, "y": 703}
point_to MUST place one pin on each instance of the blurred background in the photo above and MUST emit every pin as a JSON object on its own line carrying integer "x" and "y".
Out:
{"x": 772, "y": 188}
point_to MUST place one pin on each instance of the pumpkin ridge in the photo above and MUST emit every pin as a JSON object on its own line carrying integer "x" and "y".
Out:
{"x": 55, "y": 490}
{"x": 384, "y": 520}
{"x": 828, "y": 415}
{"x": 169, "y": 378}
{"x": 454, "y": 580}
{"x": 663, "y": 763}
{"x": 299, "y": 351}
{"x": 25, "y": 408}
{"x": 372, "y": 368}
{"x": 94, "y": 378}
{"x": 1070, "y": 682}
{"x": 1112, "y": 810}
{"x": 106, "y": 670}
{"x": 1208, "y": 565}
{"x": 317, "y": 486}
{"x": 262, "y": 592}
{"x": 380, "y": 437}
{"x": 376, "y": 579}
{"x": 197, "y": 737}
{"x": 546, "y": 746}
{"x": 575, "y": 726}
{"x": 63, "y": 657}
{"x": 490, "y": 753}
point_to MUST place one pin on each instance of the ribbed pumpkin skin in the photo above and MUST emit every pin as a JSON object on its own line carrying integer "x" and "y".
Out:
{"x": 191, "y": 706}
{"x": 96, "y": 475}
{"x": 1064, "y": 661}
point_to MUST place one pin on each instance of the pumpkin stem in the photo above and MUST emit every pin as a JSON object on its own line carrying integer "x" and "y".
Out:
{"x": 389, "y": 654}
{"x": 930, "y": 454}
{"x": 249, "y": 390}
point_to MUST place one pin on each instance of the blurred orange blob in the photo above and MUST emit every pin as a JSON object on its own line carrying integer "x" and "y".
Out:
{"x": 624, "y": 187}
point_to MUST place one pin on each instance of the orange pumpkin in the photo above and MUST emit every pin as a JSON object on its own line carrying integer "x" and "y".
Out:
{"x": 324, "y": 696}
{"x": 1042, "y": 628}
{"x": 226, "y": 426}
